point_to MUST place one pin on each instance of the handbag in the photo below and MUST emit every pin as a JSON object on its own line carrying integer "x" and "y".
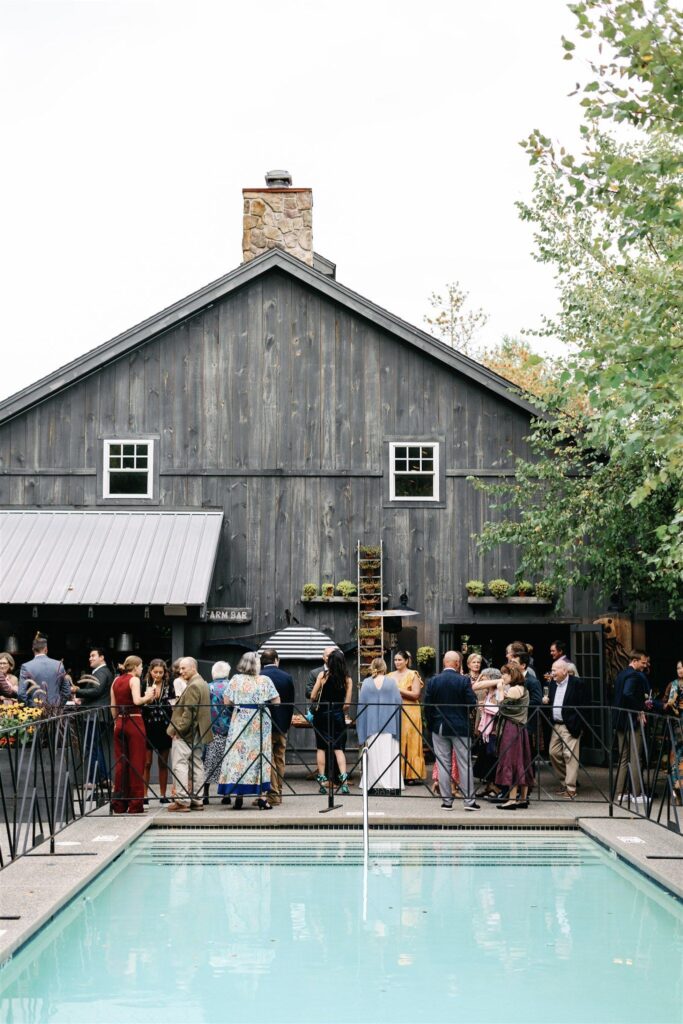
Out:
{"x": 315, "y": 705}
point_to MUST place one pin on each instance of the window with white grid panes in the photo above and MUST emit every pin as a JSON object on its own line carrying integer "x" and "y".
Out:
{"x": 414, "y": 471}
{"x": 128, "y": 469}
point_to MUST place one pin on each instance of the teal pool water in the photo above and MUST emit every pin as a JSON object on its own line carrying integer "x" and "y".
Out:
{"x": 191, "y": 926}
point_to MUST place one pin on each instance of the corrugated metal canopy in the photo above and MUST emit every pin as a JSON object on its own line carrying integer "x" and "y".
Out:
{"x": 299, "y": 642}
{"x": 107, "y": 557}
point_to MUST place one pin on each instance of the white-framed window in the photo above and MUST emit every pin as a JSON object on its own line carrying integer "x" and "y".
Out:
{"x": 128, "y": 469}
{"x": 414, "y": 471}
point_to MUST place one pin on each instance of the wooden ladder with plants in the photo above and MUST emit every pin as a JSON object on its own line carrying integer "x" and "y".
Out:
{"x": 370, "y": 601}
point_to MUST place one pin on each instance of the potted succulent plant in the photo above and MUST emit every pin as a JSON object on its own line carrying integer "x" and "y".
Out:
{"x": 327, "y": 590}
{"x": 309, "y": 590}
{"x": 345, "y": 588}
{"x": 367, "y": 551}
{"x": 369, "y": 587}
{"x": 499, "y": 588}
{"x": 525, "y": 588}
{"x": 475, "y": 588}
{"x": 369, "y": 632}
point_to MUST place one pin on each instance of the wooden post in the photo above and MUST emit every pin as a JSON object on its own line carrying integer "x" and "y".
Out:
{"x": 177, "y": 638}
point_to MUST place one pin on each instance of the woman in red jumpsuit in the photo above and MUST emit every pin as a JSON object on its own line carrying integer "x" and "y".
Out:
{"x": 130, "y": 738}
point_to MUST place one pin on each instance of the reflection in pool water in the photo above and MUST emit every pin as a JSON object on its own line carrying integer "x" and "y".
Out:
{"x": 220, "y": 926}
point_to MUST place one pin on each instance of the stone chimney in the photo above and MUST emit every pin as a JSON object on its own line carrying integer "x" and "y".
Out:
{"x": 278, "y": 217}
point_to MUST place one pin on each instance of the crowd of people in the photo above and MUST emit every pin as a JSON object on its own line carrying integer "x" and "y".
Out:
{"x": 485, "y": 726}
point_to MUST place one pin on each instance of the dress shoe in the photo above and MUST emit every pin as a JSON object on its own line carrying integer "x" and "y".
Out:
{"x": 472, "y": 806}
{"x": 448, "y": 806}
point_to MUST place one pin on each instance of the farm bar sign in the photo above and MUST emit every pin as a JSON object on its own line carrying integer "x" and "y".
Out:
{"x": 228, "y": 614}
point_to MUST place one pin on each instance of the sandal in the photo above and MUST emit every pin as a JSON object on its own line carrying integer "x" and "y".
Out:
{"x": 322, "y": 783}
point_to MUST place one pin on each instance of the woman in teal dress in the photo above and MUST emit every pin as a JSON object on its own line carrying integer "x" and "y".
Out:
{"x": 248, "y": 751}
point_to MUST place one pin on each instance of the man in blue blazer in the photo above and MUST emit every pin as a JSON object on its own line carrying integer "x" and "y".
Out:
{"x": 448, "y": 698}
{"x": 631, "y": 690}
{"x": 281, "y": 715}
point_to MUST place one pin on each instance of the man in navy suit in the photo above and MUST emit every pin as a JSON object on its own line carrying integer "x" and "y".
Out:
{"x": 631, "y": 690}
{"x": 281, "y": 715}
{"x": 43, "y": 678}
{"x": 448, "y": 698}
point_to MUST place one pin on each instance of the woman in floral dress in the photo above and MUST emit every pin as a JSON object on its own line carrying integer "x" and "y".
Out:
{"x": 246, "y": 764}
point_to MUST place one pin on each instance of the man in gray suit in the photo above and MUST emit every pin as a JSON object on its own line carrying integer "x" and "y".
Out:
{"x": 43, "y": 678}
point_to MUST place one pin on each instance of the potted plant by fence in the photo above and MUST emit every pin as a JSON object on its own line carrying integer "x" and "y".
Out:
{"x": 475, "y": 588}
{"x": 369, "y": 565}
{"x": 327, "y": 590}
{"x": 545, "y": 590}
{"x": 369, "y": 587}
{"x": 309, "y": 590}
{"x": 499, "y": 588}
{"x": 525, "y": 588}
{"x": 345, "y": 588}
{"x": 367, "y": 551}
{"x": 426, "y": 659}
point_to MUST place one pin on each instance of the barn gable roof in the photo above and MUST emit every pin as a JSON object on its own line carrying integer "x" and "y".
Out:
{"x": 163, "y": 321}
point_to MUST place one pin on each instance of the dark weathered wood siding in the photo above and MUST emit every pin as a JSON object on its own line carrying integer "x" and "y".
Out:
{"x": 274, "y": 404}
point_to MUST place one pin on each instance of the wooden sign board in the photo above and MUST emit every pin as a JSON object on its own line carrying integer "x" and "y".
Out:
{"x": 228, "y": 614}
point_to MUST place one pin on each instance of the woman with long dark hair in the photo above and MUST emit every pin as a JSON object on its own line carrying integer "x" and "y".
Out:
{"x": 130, "y": 738}
{"x": 409, "y": 684}
{"x": 331, "y": 699}
{"x": 157, "y": 717}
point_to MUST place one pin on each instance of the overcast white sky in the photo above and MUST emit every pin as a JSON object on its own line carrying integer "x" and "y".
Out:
{"x": 130, "y": 127}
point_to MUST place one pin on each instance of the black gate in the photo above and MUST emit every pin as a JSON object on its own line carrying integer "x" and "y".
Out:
{"x": 587, "y": 655}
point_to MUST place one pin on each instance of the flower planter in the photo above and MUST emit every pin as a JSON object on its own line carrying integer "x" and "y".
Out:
{"x": 509, "y": 600}
{"x": 343, "y": 600}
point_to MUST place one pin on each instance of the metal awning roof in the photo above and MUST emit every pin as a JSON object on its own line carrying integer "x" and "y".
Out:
{"x": 107, "y": 557}
{"x": 299, "y": 642}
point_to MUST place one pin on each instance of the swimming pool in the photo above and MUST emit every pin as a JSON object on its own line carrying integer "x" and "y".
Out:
{"x": 210, "y": 925}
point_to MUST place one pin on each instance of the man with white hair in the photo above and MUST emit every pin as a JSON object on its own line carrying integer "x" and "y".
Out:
{"x": 190, "y": 730}
{"x": 566, "y": 697}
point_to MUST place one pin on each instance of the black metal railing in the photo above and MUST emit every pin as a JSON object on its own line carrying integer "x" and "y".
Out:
{"x": 67, "y": 766}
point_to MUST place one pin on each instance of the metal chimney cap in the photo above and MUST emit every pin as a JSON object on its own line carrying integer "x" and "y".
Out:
{"x": 278, "y": 179}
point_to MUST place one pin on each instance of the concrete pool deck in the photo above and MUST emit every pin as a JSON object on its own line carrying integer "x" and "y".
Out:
{"x": 36, "y": 886}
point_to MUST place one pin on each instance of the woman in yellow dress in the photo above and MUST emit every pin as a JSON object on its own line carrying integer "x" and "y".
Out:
{"x": 410, "y": 688}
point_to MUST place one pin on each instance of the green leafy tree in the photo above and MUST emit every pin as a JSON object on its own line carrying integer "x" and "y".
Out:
{"x": 451, "y": 322}
{"x": 603, "y": 502}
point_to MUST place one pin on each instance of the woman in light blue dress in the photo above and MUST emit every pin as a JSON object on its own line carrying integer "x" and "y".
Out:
{"x": 248, "y": 751}
{"x": 378, "y": 724}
